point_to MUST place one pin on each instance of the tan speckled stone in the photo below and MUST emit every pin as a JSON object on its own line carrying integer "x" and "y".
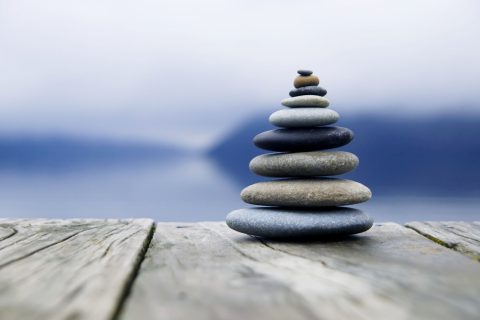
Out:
{"x": 307, "y": 101}
{"x": 303, "y": 117}
{"x": 304, "y": 164}
{"x": 315, "y": 192}
{"x": 305, "y": 81}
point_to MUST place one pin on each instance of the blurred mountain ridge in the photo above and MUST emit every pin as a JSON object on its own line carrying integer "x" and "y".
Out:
{"x": 423, "y": 156}
{"x": 58, "y": 153}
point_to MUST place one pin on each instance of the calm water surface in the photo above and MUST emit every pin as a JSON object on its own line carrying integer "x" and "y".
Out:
{"x": 186, "y": 188}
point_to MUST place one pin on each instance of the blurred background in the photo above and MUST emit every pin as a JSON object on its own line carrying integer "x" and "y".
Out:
{"x": 147, "y": 108}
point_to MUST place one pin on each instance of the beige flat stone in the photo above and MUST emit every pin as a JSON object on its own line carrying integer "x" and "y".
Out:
{"x": 315, "y": 192}
{"x": 306, "y": 101}
{"x": 303, "y": 117}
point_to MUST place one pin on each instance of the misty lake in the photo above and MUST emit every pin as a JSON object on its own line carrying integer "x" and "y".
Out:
{"x": 180, "y": 188}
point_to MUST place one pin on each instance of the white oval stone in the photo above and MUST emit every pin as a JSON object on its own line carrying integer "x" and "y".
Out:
{"x": 317, "y": 192}
{"x": 306, "y": 101}
{"x": 303, "y": 117}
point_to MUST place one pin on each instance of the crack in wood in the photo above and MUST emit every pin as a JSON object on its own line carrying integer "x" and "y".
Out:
{"x": 3, "y": 265}
{"x": 134, "y": 274}
{"x": 462, "y": 237}
{"x": 289, "y": 253}
{"x": 233, "y": 244}
{"x": 11, "y": 234}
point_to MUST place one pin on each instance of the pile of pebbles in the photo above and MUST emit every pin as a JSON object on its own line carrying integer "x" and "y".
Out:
{"x": 307, "y": 202}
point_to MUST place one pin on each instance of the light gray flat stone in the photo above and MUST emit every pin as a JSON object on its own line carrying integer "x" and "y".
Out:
{"x": 298, "y": 223}
{"x": 303, "y": 117}
{"x": 304, "y": 164}
{"x": 314, "y": 192}
{"x": 306, "y": 101}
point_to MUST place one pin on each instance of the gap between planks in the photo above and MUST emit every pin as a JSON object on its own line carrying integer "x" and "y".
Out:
{"x": 133, "y": 276}
{"x": 69, "y": 269}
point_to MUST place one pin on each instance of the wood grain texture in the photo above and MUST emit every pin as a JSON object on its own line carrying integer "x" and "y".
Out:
{"x": 461, "y": 236}
{"x": 68, "y": 269}
{"x": 207, "y": 271}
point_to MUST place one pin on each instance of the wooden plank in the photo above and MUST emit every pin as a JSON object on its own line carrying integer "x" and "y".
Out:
{"x": 461, "y": 236}
{"x": 68, "y": 269}
{"x": 207, "y": 271}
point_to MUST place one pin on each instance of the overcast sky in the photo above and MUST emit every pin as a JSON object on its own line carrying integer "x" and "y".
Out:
{"x": 189, "y": 71}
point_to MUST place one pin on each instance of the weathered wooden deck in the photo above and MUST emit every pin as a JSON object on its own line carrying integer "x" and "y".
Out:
{"x": 134, "y": 269}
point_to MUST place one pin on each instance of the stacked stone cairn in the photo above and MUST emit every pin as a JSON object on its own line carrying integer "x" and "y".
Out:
{"x": 306, "y": 202}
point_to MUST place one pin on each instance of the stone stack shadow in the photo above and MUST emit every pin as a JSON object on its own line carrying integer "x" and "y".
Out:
{"x": 306, "y": 201}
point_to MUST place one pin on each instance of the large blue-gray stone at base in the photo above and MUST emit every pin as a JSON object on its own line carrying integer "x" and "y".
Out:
{"x": 307, "y": 192}
{"x": 303, "y": 117}
{"x": 303, "y": 139}
{"x": 313, "y": 90}
{"x": 298, "y": 223}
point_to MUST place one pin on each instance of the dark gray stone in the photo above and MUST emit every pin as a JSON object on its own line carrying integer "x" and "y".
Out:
{"x": 304, "y": 72}
{"x": 299, "y": 223}
{"x": 303, "y": 139}
{"x": 310, "y": 90}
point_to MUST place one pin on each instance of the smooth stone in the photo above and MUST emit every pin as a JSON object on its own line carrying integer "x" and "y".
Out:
{"x": 298, "y": 223}
{"x": 304, "y": 72}
{"x": 304, "y": 164}
{"x": 303, "y": 139}
{"x": 303, "y": 117}
{"x": 313, "y": 192}
{"x": 304, "y": 81}
{"x": 310, "y": 90}
{"x": 306, "y": 101}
